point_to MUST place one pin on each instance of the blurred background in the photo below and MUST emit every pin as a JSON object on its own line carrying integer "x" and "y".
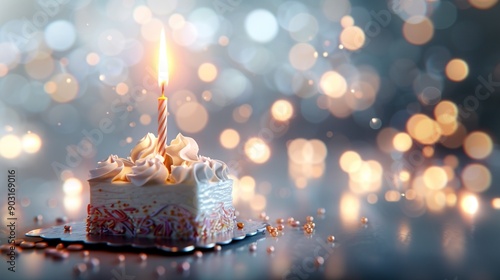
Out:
{"x": 345, "y": 105}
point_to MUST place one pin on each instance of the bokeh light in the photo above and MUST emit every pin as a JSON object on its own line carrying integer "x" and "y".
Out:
{"x": 282, "y": 110}
{"x": 418, "y": 30}
{"x": 31, "y": 143}
{"x": 478, "y": 145}
{"x": 476, "y": 177}
{"x": 207, "y": 72}
{"x": 261, "y": 26}
{"x": 10, "y": 146}
{"x": 457, "y": 70}
{"x": 257, "y": 150}
{"x": 229, "y": 138}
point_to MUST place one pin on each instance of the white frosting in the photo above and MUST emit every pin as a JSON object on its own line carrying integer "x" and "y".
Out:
{"x": 149, "y": 170}
{"x": 182, "y": 149}
{"x": 110, "y": 170}
{"x": 144, "y": 166}
{"x": 144, "y": 148}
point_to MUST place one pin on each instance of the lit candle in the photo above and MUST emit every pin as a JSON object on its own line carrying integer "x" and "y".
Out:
{"x": 162, "y": 100}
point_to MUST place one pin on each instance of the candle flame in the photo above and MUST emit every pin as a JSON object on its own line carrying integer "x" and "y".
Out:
{"x": 162, "y": 61}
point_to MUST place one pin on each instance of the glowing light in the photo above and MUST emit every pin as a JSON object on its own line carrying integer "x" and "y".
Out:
{"x": 350, "y": 161}
{"x": 469, "y": 204}
{"x": 142, "y": 14}
{"x": 349, "y": 209}
{"x": 301, "y": 56}
{"x": 446, "y": 112}
{"x": 402, "y": 142}
{"x": 191, "y": 117}
{"x": 261, "y": 26}
{"x": 121, "y": 88}
{"x": 282, "y": 110}
{"x": 93, "y": 59}
{"x": 229, "y": 138}
{"x": 435, "y": 177}
{"x": 10, "y": 146}
{"x": 352, "y": 38}
{"x": 478, "y": 145}
{"x": 31, "y": 143}
{"x": 476, "y": 177}
{"x": 246, "y": 186}
{"x": 423, "y": 129}
{"x": 258, "y": 202}
{"x": 162, "y": 60}
{"x": 145, "y": 119}
{"x": 346, "y": 21}
{"x": 207, "y": 72}
{"x": 257, "y": 150}
{"x": 392, "y": 196}
{"x": 495, "y": 203}
{"x": 72, "y": 187}
{"x": 457, "y": 70}
{"x": 418, "y": 30}
{"x": 333, "y": 84}
{"x": 482, "y": 4}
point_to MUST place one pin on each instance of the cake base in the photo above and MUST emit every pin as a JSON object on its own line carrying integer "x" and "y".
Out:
{"x": 79, "y": 234}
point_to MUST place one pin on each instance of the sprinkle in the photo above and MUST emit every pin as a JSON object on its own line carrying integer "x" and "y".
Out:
{"x": 252, "y": 247}
{"x": 266, "y": 218}
{"x": 274, "y": 233}
{"x": 80, "y": 268}
{"x": 67, "y": 228}
{"x": 60, "y": 246}
{"x": 85, "y": 253}
{"x": 280, "y": 227}
{"x": 41, "y": 245}
{"x": 309, "y": 219}
{"x": 364, "y": 220}
{"x": 321, "y": 211}
{"x": 75, "y": 247}
{"x": 331, "y": 238}
{"x": 269, "y": 228}
{"x": 198, "y": 254}
{"x": 280, "y": 221}
{"x": 217, "y": 248}
{"x": 18, "y": 241}
{"x": 27, "y": 245}
{"x": 121, "y": 258}
{"x": 290, "y": 221}
{"x": 143, "y": 257}
{"x": 295, "y": 224}
{"x": 319, "y": 261}
{"x": 270, "y": 249}
{"x": 240, "y": 225}
{"x": 160, "y": 270}
{"x": 262, "y": 215}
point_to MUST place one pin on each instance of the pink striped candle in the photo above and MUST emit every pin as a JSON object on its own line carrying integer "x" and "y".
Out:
{"x": 162, "y": 122}
{"x": 162, "y": 100}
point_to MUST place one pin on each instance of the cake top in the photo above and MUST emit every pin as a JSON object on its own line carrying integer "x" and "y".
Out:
{"x": 144, "y": 166}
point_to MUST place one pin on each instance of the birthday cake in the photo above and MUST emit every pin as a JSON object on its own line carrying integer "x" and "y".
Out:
{"x": 180, "y": 195}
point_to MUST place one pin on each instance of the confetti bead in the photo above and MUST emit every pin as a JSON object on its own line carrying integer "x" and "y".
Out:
{"x": 121, "y": 258}
{"x": 331, "y": 238}
{"x": 290, "y": 221}
{"x": 183, "y": 267}
{"x": 364, "y": 220}
{"x": 60, "y": 246}
{"x": 198, "y": 254}
{"x": 240, "y": 225}
{"x": 280, "y": 227}
{"x": 270, "y": 249}
{"x": 41, "y": 245}
{"x": 319, "y": 261}
{"x": 252, "y": 247}
{"x": 217, "y": 248}
{"x": 321, "y": 211}
{"x": 143, "y": 257}
{"x": 309, "y": 219}
{"x": 280, "y": 221}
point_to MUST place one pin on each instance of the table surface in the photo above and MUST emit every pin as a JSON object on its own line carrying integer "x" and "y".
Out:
{"x": 397, "y": 242}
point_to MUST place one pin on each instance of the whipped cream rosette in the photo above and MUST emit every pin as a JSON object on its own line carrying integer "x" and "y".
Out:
{"x": 149, "y": 170}
{"x": 111, "y": 170}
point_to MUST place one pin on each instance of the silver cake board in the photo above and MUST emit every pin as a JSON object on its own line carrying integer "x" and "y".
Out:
{"x": 78, "y": 234}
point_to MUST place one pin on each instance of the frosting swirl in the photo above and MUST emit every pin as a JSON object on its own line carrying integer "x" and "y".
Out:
{"x": 182, "y": 149}
{"x": 148, "y": 170}
{"x": 220, "y": 169}
{"x": 197, "y": 172}
{"x": 144, "y": 148}
{"x": 112, "y": 169}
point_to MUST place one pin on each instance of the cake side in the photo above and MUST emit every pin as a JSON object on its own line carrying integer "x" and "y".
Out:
{"x": 176, "y": 195}
{"x": 178, "y": 211}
